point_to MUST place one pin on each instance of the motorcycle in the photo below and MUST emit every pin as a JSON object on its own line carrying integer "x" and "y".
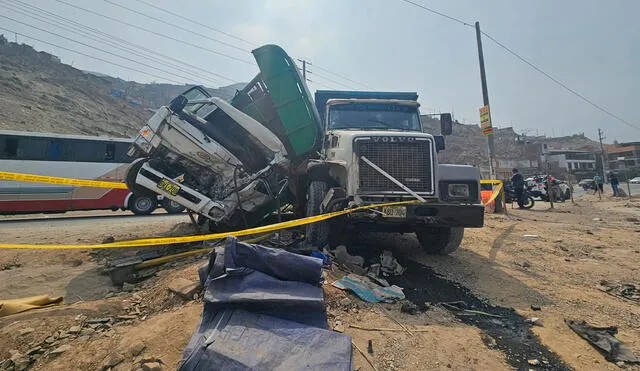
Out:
{"x": 511, "y": 196}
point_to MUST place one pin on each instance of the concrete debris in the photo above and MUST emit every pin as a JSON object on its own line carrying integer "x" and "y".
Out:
{"x": 137, "y": 349}
{"x": 352, "y": 262}
{"x": 186, "y": 289}
{"x": 61, "y": 349}
{"x": 113, "y": 361}
{"x": 409, "y": 308}
{"x": 152, "y": 366}
{"x": 389, "y": 265}
{"x": 533, "y": 362}
{"x": 75, "y": 329}
{"x": 25, "y": 331}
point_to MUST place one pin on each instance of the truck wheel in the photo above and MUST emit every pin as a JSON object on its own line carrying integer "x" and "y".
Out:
{"x": 130, "y": 179}
{"x": 441, "y": 241}
{"x": 171, "y": 206}
{"x": 142, "y": 204}
{"x": 316, "y": 234}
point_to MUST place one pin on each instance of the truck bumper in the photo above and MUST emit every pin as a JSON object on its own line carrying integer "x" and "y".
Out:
{"x": 437, "y": 215}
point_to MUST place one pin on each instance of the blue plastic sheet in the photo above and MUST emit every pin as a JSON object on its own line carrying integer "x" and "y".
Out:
{"x": 264, "y": 310}
{"x": 369, "y": 292}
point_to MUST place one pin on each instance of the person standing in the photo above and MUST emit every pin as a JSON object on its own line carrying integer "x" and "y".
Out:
{"x": 518, "y": 186}
{"x": 613, "y": 179}
{"x": 599, "y": 182}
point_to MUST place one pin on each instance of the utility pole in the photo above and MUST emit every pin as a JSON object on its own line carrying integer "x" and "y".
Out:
{"x": 603, "y": 153}
{"x": 485, "y": 99}
{"x": 304, "y": 68}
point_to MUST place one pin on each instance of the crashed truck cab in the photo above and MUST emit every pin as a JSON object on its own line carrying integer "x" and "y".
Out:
{"x": 375, "y": 151}
{"x": 230, "y": 162}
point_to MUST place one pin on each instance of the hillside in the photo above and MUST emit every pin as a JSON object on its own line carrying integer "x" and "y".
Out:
{"x": 38, "y": 93}
{"x": 467, "y": 145}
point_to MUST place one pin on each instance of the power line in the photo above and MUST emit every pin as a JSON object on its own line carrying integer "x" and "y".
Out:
{"x": 438, "y": 13}
{"x": 91, "y": 56}
{"x": 112, "y": 44}
{"x": 341, "y": 76}
{"x": 224, "y": 33}
{"x": 196, "y": 22}
{"x": 560, "y": 83}
{"x": 183, "y": 42}
{"x": 329, "y": 79}
{"x": 109, "y": 36}
{"x": 176, "y": 26}
{"x": 522, "y": 59}
{"x": 96, "y": 48}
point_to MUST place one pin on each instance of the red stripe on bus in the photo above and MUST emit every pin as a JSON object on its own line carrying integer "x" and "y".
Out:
{"x": 113, "y": 199}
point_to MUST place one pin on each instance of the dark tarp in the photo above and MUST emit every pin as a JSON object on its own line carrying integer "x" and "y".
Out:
{"x": 264, "y": 310}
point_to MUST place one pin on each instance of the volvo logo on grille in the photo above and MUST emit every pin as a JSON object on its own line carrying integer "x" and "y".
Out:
{"x": 394, "y": 139}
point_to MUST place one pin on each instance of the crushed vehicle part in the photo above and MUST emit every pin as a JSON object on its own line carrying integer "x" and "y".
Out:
{"x": 389, "y": 265}
{"x": 603, "y": 338}
{"x": 231, "y": 162}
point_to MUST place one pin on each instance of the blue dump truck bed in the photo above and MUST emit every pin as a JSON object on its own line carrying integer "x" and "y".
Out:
{"x": 322, "y": 96}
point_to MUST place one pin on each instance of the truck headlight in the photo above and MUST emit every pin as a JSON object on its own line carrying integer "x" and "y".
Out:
{"x": 458, "y": 191}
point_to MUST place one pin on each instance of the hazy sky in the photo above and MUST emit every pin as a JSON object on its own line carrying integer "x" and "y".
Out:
{"x": 591, "y": 45}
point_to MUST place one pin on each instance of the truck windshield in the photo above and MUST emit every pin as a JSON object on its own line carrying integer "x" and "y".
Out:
{"x": 374, "y": 117}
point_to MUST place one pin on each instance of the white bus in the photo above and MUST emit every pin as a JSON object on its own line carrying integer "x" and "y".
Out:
{"x": 68, "y": 156}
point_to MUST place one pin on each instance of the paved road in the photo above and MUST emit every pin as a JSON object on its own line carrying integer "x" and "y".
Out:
{"x": 635, "y": 189}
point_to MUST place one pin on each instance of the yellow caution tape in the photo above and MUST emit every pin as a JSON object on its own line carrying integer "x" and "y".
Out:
{"x": 205, "y": 237}
{"x": 495, "y": 193}
{"x": 19, "y": 177}
{"x": 185, "y": 239}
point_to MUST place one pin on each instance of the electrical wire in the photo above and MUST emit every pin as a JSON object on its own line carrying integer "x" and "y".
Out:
{"x": 183, "y": 42}
{"x": 96, "y": 48}
{"x": 90, "y": 56}
{"x": 530, "y": 64}
{"x": 176, "y": 26}
{"x": 115, "y": 45}
{"x": 120, "y": 40}
{"x": 329, "y": 79}
{"x": 560, "y": 83}
{"x": 196, "y": 22}
{"x": 341, "y": 76}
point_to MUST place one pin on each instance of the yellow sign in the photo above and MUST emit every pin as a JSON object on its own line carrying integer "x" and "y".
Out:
{"x": 485, "y": 120}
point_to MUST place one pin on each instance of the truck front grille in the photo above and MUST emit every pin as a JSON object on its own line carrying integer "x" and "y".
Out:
{"x": 408, "y": 161}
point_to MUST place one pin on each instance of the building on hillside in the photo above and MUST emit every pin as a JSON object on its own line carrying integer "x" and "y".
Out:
{"x": 578, "y": 163}
{"x": 624, "y": 157}
{"x": 525, "y": 167}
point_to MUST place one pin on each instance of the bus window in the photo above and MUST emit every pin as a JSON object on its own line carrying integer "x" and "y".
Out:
{"x": 10, "y": 149}
{"x": 55, "y": 150}
{"x": 110, "y": 152}
{"x": 32, "y": 149}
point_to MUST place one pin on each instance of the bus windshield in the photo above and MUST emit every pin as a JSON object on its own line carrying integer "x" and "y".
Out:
{"x": 377, "y": 116}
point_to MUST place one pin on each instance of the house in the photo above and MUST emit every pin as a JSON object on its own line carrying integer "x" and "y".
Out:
{"x": 623, "y": 156}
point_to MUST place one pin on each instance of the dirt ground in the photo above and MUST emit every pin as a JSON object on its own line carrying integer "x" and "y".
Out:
{"x": 554, "y": 259}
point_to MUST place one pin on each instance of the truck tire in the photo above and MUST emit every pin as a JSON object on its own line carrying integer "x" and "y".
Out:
{"x": 142, "y": 204}
{"x": 316, "y": 234}
{"x": 171, "y": 206}
{"x": 440, "y": 241}
{"x": 130, "y": 179}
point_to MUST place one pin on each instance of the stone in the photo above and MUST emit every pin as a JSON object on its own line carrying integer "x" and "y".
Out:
{"x": 346, "y": 302}
{"x": 184, "y": 288}
{"x": 25, "y": 331}
{"x": 409, "y": 308}
{"x": 113, "y": 361}
{"x": 87, "y": 332}
{"x": 34, "y": 350}
{"x": 126, "y": 318}
{"x": 533, "y": 362}
{"x": 152, "y": 366}
{"x": 136, "y": 349}
{"x": 61, "y": 349}
{"x": 128, "y": 287}
{"x": 339, "y": 327}
{"x": 75, "y": 330}
{"x": 535, "y": 307}
{"x": 50, "y": 340}
{"x": 99, "y": 320}
{"x": 81, "y": 317}
{"x": 109, "y": 239}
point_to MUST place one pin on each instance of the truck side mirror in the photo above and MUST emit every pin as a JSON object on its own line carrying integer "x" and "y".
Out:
{"x": 439, "y": 143}
{"x": 178, "y": 103}
{"x": 446, "y": 124}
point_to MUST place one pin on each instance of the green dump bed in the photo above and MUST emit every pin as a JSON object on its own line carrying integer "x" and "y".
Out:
{"x": 279, "y": 99}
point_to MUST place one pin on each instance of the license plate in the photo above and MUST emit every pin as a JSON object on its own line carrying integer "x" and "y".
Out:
{"x": 394, "y": 211}
{"x": 167, "y": 186}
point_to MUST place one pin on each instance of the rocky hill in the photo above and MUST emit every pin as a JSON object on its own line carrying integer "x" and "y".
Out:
{"x": 467, "y": 145}
{"x": 38, "y": 93}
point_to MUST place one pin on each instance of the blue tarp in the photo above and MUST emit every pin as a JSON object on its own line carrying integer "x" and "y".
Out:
{"x": 264, "y": 310}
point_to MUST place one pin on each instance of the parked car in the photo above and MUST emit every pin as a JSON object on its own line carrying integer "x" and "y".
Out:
{"x": 635, "y": 180}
